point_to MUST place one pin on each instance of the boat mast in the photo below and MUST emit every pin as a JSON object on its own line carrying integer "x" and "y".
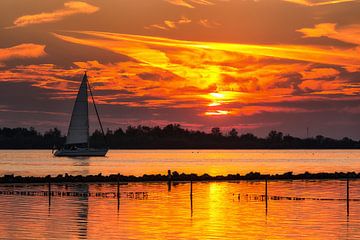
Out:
{"x": 96, "y": 111}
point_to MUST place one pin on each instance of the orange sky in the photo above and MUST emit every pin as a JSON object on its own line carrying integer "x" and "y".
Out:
{"x": 253, "y": 65}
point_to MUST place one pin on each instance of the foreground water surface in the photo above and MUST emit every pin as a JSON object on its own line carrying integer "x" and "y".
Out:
{"x": 213, "y": 162}
{"x": 216, "y": 210}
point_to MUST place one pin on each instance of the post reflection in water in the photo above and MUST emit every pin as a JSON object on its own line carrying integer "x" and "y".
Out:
{"x": 165, "y": 214}
{"x": 82, "y": 202}
{"x": 82, "y": 211}
{"x": 191, "y": 198}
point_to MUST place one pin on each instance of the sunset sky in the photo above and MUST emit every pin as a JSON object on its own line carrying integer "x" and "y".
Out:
{"x": 253, "y": 65}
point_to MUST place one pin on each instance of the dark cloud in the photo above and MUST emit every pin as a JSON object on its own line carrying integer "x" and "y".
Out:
{"x": 149, "y": 76}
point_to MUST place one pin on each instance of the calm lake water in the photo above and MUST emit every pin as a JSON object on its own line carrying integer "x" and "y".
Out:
{"x": 215, "y": 210}
{"x": 213, "y": 162}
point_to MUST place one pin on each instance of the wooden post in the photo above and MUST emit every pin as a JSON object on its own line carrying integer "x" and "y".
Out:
{"x": 169, "y": 180}
{"x": 266, "y": 195}
{"x": 169, "y": 175}
{"x": 347, "y": 196}
{"x": 49, "y": 188}
{"x": 118, "y": 186}
{"x": 266, "y": 188}
{"x": 191, "y": 198}
{"x": 191, "y": 191}
{"x": 118, "y": 191}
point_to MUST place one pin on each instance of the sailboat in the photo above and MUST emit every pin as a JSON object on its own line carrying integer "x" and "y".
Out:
{"x": 77, "y": 139}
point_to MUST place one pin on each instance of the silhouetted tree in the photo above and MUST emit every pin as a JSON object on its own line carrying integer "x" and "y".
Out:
{"x": 233, "y": 133}
{"x": 216, "y": 132}
{"x": 275, "y": 136}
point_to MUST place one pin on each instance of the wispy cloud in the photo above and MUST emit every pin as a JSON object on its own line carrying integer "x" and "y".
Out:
{"x": 349, "y": 33}
{"x": 70, "y": 8}
{"x": 209, "y": 23}
{"x": 190, "y": 3}
{"x": 170, "y": 24}
{"x": 316, "y": 54}
{"x": 312, "y": 3}
{"x": 26, "y": 50}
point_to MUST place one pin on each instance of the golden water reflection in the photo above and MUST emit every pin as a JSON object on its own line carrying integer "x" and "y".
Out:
{"x": 216, "y": 212}
{"x": 213, "y": 162}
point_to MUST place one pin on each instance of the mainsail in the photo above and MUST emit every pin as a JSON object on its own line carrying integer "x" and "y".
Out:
{"x": 78, "y": 132}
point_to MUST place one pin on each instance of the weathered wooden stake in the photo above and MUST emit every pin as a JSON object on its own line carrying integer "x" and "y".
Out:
{"x": 191, "y": 183}
{"x": 191, "y": 198}
{"x": 49, "y": 188}
{"x": 118, "y": 186}
{"x": 347, "y": 196}
{"x": 169, "y": 180}
{"x": 266, "y": 195}
{"x": 169, "y": 175}
{"x": 266, "y": 188}
{"x": 118, "y": 192}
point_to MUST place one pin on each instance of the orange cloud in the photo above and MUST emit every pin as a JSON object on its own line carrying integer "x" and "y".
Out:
{"x": 170, "y": 24}
{"x": 219, "y": 76}
{"x": 311, "y": 3}
{"x": 70, "y": 8}
{"x": 320, "y": 73}
{"x": 26, "y": 50}
{"x": 208, "y": 23}
{"x": 151, "y": 53}
{"x": 349, "y": 34}
{"x": 190, "y": 3}
{"x": 323, "y": 86}
{"x": 214, "y": 79}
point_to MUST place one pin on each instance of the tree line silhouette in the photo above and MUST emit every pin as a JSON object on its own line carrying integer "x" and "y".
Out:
{"x": 172, "y": 136}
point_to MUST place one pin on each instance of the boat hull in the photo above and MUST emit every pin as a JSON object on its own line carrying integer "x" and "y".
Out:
{"x": 82, "y": 152}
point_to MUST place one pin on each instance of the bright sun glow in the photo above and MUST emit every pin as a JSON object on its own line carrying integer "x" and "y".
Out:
{"x": 217, "y": 113}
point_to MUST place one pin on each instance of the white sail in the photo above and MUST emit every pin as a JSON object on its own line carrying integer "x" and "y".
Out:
{"x": 79, "y": 124}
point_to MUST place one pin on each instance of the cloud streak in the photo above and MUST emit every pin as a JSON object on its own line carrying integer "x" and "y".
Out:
{"x": 69, "y": 9}
{"x": 26, "y": 50}
{"x": 339, "y": 56}
{"x": 170, "y": 24}
{"x": 311, "y": 3}
{"x": 348, "y": 34}
{"x": 190, "y": 3}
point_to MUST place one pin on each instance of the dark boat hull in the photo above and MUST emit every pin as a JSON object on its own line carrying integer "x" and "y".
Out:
{"x": 81, "y": 152}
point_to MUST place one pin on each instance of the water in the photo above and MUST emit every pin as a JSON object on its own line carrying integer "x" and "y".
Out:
{"x": 213, "y": 162}
{"x": 213, "y": 212}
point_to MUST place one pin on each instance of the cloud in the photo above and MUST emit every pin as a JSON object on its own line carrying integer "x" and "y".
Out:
{"x": 170, "y": 24}
{"x": 190, "y": 3}
{"x": 157, "y": 26}
{"x": 312, "y": 3}
{"x": 315, "y": 54}
{"x": 208, "y": 79}
{"x": 208, "y": 23}
{"x": 320, "y": 73}
{"x": 348, "y": 34}
{"x": 70, "y": 8}
{"x": 25, "y": 50}
{"x": 219, "y": 78}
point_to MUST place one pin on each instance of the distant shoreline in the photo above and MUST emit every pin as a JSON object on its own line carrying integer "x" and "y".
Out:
{"x": 172, "y": 136}
{"x": 249, "y": 148}
{"x": 176, "y": 177}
